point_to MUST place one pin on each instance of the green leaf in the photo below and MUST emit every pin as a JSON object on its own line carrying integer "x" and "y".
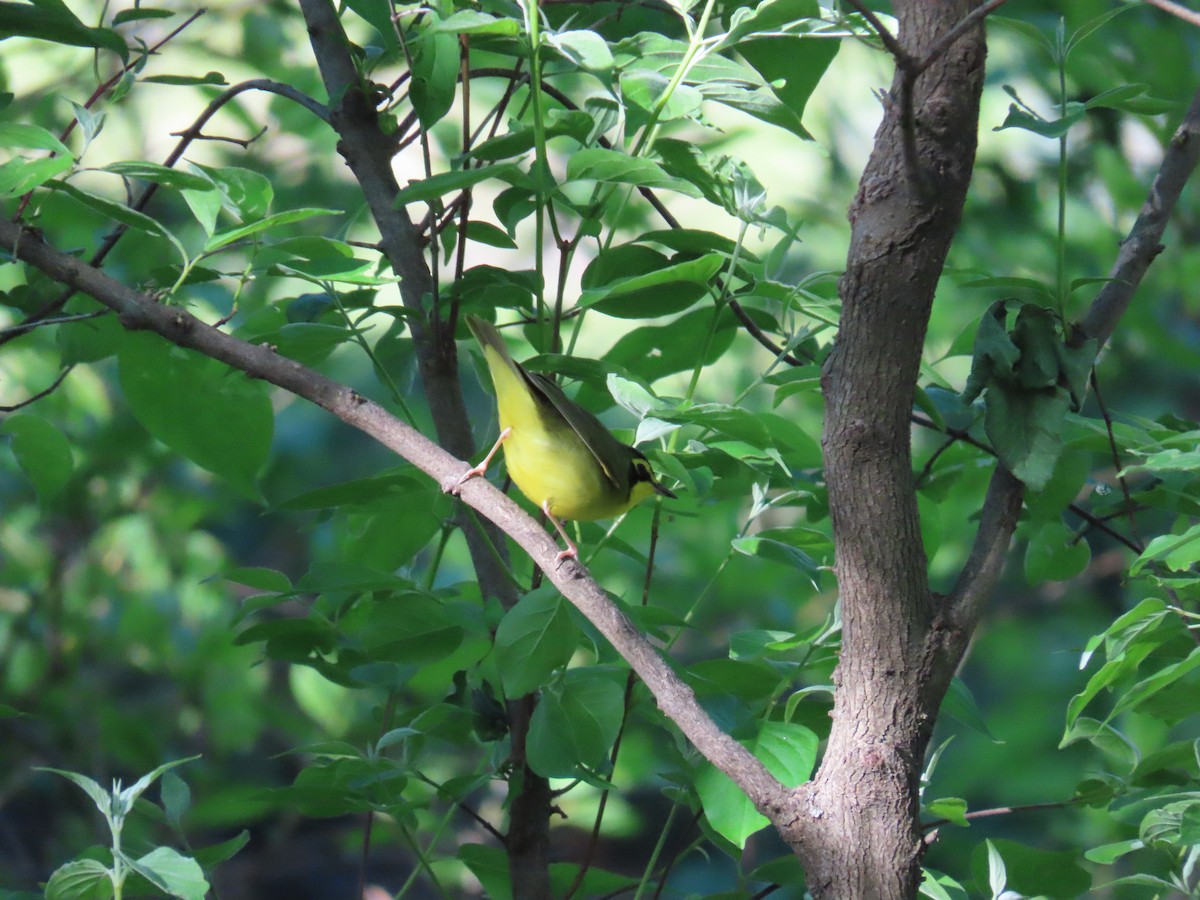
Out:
{"x": 57, "y": 24}
{"x": 789, "y": 752}
{"x": 176, "y": 799}
{"x": 1163, "y": 678}
{"x": 171, "y": 872}
{"x": 42, "y": 452}
{"x": 959, "y": 703}
{"x": 434, "y": 80}
{"x": 100, "y": 797}
{"x": 585, "y": 49}
{"x": 259, "y": 579}
{"x": 660, "y": 292}
{"x": 224, "y": 238}
{"x": 534, "y": 638}
{"x": 164, "y": 175}
{"x": 791, "y": 65}
{"x": 212, "y": 78}
{"x": 575, "y": 723}
{"x": 1055, "y": 553}
{"x": 470, "y": 21}
{"x": 615, "y": 167}
{"x": 119, "y": 212}
{"x": 1026, "y": 428}
{"x": 82, "y": 879}
{"x": 1178, "y": 552}
{"x": 490, "y": 866}
{"x": 952, "y": 809}
{"x": 31, "y": 137}
{"x": 1008, "y": 865}
{"x": 449, "y": 182}
{"x": 218, "y": 418}
{"x": 788, "y": 546}
{"x": 19, "y": 176}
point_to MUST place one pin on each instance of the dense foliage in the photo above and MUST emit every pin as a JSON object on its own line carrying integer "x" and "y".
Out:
{"x": 194, "y": 564}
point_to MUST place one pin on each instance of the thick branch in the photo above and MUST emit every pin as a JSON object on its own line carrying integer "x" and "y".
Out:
{"x": 674, "y": 697}
{"x": 1144, "y": 241}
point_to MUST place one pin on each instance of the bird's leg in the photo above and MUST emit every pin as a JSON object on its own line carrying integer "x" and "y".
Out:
{"x": 572, "y": 552}
{"x": 482, "y": 467}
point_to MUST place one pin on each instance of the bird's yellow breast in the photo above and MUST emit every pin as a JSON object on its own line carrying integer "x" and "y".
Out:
{"x": 547, "y": 460}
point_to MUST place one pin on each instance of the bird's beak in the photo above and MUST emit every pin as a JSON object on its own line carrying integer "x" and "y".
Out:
{"x": 666, "y": 492}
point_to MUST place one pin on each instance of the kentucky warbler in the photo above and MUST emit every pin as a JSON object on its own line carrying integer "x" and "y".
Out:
{"x": 557, "y": 452}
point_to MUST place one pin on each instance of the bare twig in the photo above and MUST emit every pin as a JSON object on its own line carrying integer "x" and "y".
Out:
{"x": 902, "y": 57}
{"x": 1143, "y": 244}
{"x": 1178, "y": 10}
{"x": 40, "y": 394}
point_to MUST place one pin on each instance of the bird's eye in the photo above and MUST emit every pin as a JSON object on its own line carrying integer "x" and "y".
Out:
{"x": 642, "y": 470}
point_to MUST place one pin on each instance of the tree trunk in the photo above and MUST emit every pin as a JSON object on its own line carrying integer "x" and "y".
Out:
{"x": 858, "y": 832}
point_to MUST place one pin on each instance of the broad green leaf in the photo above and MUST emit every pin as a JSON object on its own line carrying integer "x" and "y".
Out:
{"x": 1055, "y": 553}
{"x": 1026, "y": 429}
{"x": 19, "y": 176}
{"x": 82, "y": 879}
{"x": 470, "y": 21}
{"x": 490, "y": 866}
{"x": 660, "y": 292}
{"x": 90, "y": 340}
{"x": 100, "y": 797}
{"x": 1120, "y": 749}
{"x": 940, "y": 887}
{"x": 260, "y": 579}
{"x": 1107, "y": 854}
{"x": 164, "y": 175}
{"x": 225, "y": 238}
{"x": 1170, "y": 460}
{"x": 646, "y": 90}
{"x": 586, "y": 49}
{"x": 534, "y": 638}
{"x": 1163, "y": 678}
{"x": 952, "y": 809}
{"x": 216, "y": 417}
{"x": 575, "y": 724}
{"x": 31, "y": 137}
{"x": 959, "y": 703}
{"x": 434, "y": 81}
{"x": 58, "y": 25}
{"x": 615, "y": 167}
{"x": 791, "y": 65}
{"x": 1178, "y": 552}
{"x": 789, "y": 546}
{"x": 119, "y": 212}
{"x": 42, "y": 452}
{"x": 449, "y": 182}
{"x": 176, "y": 799}
{"x": 789, "y": 752}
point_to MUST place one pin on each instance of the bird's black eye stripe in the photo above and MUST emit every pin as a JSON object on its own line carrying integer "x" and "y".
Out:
{"x": 640, "y": 471}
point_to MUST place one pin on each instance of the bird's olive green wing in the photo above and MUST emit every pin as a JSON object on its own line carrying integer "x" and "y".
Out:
{"x": 608, "y": 451}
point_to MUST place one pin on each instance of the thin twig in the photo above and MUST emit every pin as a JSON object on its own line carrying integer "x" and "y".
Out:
{"x": 1002, "y": 811}
{"x": 1178, "y": 10}
{"x": 942, "y": 44}
{"x": 889, "y": 40}
{"x": 1116, "y": 458}
{"x": 40, "y": 394}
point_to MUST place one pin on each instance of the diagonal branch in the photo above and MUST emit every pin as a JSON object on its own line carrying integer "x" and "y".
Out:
{"x": 138, "y": 311}
{"x": 1005, "y": 492}
{"x": 1144, "y": 241}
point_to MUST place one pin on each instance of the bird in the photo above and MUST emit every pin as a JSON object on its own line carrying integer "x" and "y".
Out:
{"x": 559, "y": 454}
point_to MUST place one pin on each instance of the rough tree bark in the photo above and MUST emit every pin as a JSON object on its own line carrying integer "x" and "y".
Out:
{"x": 857, "y": 831}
